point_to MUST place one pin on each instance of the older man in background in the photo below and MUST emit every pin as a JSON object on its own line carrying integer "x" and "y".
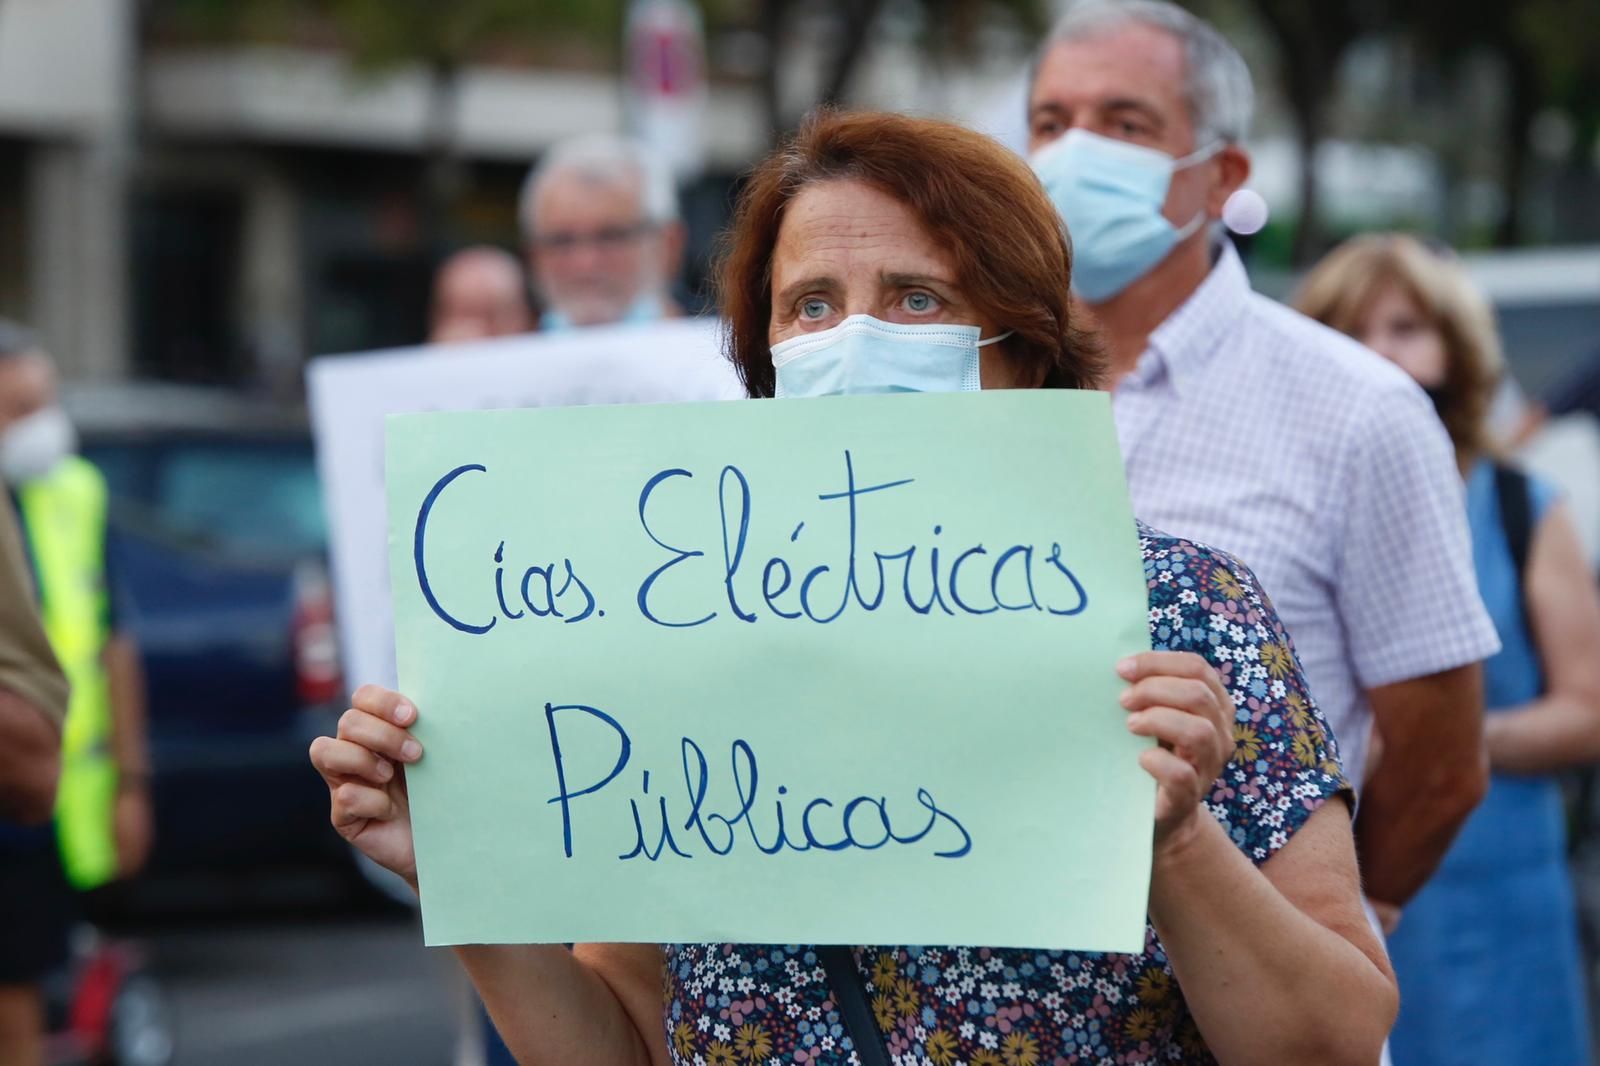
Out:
{"x": 1253, "y": 429}
{"x": 604, "y": 238}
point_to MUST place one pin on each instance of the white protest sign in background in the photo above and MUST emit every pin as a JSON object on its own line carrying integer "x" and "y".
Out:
{"x": 350, "y": 395}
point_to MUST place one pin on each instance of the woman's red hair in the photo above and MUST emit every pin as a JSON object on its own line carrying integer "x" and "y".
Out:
{"x": 1006, "y": 241}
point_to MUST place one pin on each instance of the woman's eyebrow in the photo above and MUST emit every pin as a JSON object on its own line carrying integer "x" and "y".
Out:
{"x": 818, "y": 283}
{"x": 911, "y": 281}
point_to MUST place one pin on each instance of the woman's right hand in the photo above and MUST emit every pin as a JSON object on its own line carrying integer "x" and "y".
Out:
{"x": 364, "y": 767}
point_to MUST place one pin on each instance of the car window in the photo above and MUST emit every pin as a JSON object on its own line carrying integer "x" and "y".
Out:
{"x": 259, "y": 499}
{"x": 123, "y": 468}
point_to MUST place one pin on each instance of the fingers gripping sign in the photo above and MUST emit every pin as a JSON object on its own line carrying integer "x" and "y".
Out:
{"x": 364, "y": 768}
{"x": 1177, "y": 699}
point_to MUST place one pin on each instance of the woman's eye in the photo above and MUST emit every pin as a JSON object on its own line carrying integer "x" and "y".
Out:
{"x": 812, "y": 310}
{"x": 920, "y": 302}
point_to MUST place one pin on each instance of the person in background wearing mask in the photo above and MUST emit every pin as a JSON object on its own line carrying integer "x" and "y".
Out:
{"x": 1253, "y": 429}
{"x": 1487, "y": 953}
{"x": 33, "y": 702}
{"x": 478, "y": 292}
{"x": 605, "y": 243}
{"x": 103, "y": 822}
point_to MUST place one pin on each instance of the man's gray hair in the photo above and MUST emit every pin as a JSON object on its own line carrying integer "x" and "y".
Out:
{"x": 1217, "y": 82}
{"x": 603, "y": 158}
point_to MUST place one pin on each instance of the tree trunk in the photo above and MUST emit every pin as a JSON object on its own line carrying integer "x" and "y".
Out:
{"x": 771, "y": 91}
{"x": 1308, "y": 80}
{"x": 1311, "y": 39}
{"x": 1310, "y": 128}
{"x": 1522, "y": 103}
{"x": 859, "y": 16}
{"x": 442, "y": 171}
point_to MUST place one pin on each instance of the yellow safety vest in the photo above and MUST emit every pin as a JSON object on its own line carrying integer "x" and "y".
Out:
{"x": 64, "y": 514}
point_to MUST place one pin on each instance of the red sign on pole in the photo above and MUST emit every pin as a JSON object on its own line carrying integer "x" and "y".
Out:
{"x": 667, "y": 81}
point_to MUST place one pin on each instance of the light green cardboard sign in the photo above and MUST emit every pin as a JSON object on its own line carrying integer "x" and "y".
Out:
{"x": 820, "y": 671}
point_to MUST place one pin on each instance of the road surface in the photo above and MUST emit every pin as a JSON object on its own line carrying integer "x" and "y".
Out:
{"x": 336, "y": 990}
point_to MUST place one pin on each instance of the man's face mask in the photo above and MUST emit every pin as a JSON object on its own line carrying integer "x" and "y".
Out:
{"x": 863, "y": 354}
{"x": 1110, "y": 194}
{"x": 31, "y": 446}
{"x": 646, "y": 308}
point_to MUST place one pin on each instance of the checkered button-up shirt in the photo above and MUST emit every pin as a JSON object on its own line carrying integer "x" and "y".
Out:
{"x": 1252, "y": 429}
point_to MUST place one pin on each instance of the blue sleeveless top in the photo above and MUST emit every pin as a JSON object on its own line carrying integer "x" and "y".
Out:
{"x": 1487, "y": 953}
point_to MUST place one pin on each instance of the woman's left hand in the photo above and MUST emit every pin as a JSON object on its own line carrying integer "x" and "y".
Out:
{"x": 1177, "y": 698}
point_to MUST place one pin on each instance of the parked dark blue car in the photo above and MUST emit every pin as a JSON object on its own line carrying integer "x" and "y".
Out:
{"x": 218, "y": 548}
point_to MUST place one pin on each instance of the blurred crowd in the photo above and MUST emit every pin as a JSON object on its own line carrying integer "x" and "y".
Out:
{"x": 1428, "y": 535}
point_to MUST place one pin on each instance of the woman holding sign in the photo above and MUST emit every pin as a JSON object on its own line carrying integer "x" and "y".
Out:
{"x": 878, "y": 253}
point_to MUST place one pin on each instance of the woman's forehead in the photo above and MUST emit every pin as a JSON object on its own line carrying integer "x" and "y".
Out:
{"x": 1391, "y": 297}
{"x": 845, "y": 228}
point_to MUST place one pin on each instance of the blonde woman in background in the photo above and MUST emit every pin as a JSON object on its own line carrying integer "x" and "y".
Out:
{"x": 1487, "y": 953}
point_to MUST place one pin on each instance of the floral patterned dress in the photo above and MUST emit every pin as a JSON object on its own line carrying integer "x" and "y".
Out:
{"x": 748, "y": 1004}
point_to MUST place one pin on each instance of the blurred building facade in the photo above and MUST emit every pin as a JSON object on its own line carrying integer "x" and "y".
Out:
{"x": 191, "y": 206}
{"x": 217, "y": 211}
{"x": 66, "y": 75}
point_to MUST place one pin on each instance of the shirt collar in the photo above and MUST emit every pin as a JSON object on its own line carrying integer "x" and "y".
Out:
{"x": 1183, "y": 343}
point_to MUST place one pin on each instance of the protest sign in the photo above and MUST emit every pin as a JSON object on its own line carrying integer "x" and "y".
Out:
{"x": 808, "y": 671}
{"x": 350, "y": 395}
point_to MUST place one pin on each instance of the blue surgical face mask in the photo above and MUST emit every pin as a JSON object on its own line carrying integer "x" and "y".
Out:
{"x": 1110, "y": 195}
{"x": 645, "y": 308}
{"x": 863, "y": 354}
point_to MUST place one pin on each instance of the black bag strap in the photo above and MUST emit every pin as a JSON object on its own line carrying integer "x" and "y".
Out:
{"x": 850, "y": 992}
{"x": 1516, "y": 514}
{"x": 1515, "y": 494}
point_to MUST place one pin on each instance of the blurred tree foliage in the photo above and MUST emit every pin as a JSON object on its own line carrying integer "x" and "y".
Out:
{"x": 1546, "y": 51}
{"x": 951, "y": 32}
{"x": 1311, "y": 42}
{"x": 1549, "y": 53}
{"x": 442, "y": 36}
{"x": 445, "y": 34}
{"x": 383, "y": 32}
